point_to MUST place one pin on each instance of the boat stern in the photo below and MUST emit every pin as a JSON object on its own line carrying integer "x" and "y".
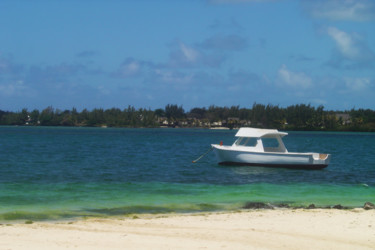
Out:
{"x": 321, "y": 159}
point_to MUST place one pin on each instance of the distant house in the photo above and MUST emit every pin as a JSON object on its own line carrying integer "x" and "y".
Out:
{"x": 163, "y": 121}
{"x": 233, "y": 119}
{"x": 28, "y": 120}
{"x": 216, "y": 124}
{"x": 245, "y": 123}
{"x": 344, "y": 118}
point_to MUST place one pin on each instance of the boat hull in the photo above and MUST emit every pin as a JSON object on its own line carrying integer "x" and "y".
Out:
{"x": 229, "y": 155}
{"x": 290, "y": 166}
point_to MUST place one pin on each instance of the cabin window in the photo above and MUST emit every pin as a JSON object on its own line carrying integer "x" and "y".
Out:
{"x": 270, "y": 143}
{"x": 249, "y": 142}
{"x": 239, "y": 141}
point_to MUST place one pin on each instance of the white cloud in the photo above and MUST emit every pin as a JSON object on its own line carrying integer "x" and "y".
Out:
{"x": 357, "y": 84}
{"x": 184, "y": 56}
{"x": 190, "y": 54}
{"x": 349, "y": 10}
{"x": 130, "y": 68}
{"x": 294, "y": 79}
{"x": 346, "y": 43}
{"x": 17, "y": 88}
{"x": 173, "y": 77}
{"x": 350, "y": 46}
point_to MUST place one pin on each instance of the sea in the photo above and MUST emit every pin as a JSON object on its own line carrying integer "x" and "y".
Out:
{"x": 69, "y": 173}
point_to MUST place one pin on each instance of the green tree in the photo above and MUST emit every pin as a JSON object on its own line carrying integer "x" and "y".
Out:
{"x": 46, "y": 116}
{"x": 174, "y": 112}
{"x": 34, "y": 116}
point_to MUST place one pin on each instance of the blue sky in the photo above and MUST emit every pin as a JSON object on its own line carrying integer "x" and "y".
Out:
{"x": 197, "y": 53}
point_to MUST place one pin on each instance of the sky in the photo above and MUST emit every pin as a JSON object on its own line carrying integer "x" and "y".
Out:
{"x": 194, "y": 53}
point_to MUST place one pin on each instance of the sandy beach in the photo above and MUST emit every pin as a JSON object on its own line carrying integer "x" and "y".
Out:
{"x": 250, "y": 229}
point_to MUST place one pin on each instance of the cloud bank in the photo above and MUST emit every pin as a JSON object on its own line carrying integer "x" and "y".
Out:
{"x": 341, "y": 10}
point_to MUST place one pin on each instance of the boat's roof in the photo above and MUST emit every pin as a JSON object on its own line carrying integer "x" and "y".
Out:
{"x": 258, "y": 132}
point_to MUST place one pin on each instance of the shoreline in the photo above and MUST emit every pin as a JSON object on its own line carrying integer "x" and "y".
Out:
{"x": 243, "y": 229}
{"x": 248, "y": 206}
{"x": 363, "y": 131}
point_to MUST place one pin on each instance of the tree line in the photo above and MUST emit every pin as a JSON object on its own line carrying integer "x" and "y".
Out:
{"x": 294, "y": 117}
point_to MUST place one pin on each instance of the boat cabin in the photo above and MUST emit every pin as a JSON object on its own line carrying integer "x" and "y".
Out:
{"x": 260, "y": 140}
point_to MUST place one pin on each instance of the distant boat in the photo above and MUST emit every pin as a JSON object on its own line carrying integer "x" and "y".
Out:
{"x": 265, "y": 148}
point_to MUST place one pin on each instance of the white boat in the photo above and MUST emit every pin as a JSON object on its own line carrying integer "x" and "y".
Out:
{"x": 264, "y": 147}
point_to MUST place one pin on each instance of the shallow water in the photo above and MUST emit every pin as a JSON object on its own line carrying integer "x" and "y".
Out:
{"x": 49, "y": 173}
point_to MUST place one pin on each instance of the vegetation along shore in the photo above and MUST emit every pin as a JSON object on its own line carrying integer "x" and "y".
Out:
{"x": 295, "y": 117}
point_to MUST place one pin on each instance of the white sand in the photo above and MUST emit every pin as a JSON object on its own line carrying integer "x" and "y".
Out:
{"x": 253, "y": 229}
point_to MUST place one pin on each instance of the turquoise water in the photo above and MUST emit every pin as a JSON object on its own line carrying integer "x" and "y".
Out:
{"x": 49, "y": 173}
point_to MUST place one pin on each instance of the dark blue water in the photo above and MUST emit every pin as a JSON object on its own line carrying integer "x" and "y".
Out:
{"x": 54, "y": 173}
